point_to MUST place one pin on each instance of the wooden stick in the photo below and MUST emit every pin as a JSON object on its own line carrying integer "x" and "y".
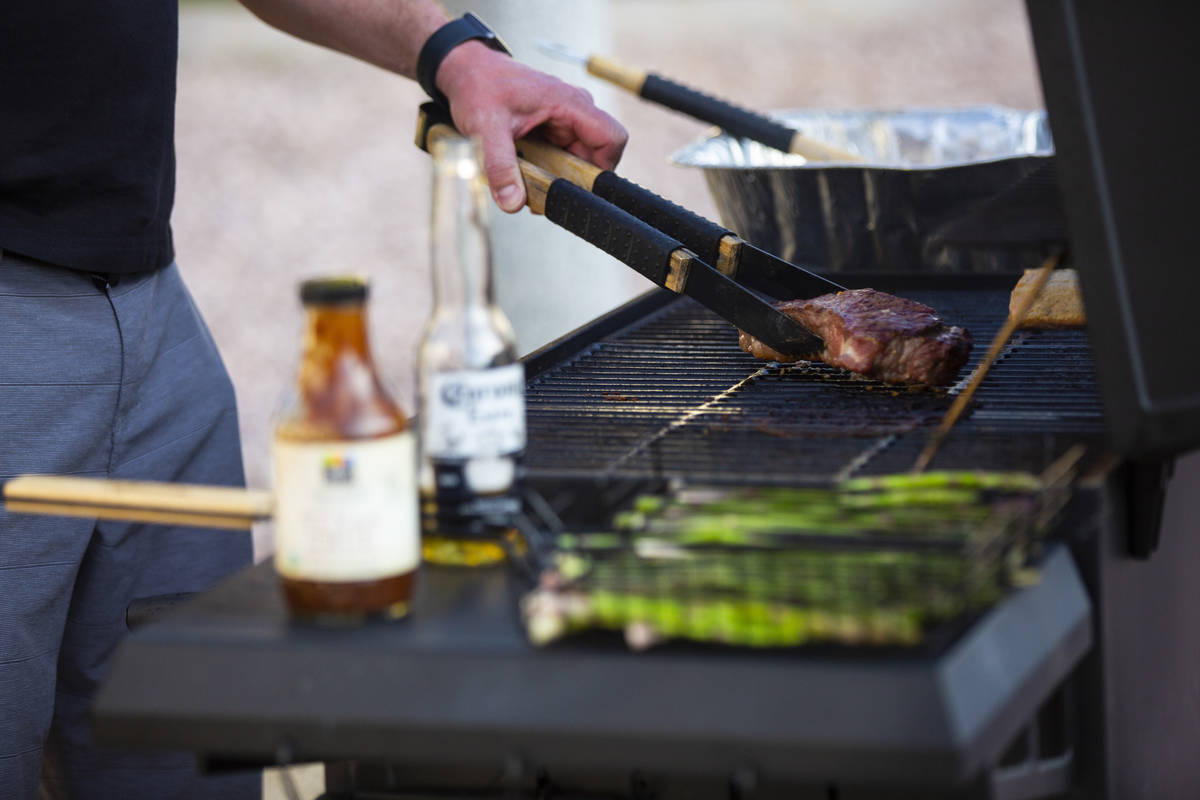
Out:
{"x": 130, "y": 515}
{"x": 981, "y": 370}
{"x": 606, "y": 69}
{"x": 139, "y": 501}
{"x": 559, "y": 162}
{"x": 819, "y": 151}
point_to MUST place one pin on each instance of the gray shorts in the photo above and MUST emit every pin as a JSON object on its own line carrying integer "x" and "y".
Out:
{"x": 123, "y": 383}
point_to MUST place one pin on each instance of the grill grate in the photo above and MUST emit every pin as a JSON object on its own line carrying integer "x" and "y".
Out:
{"x": 672, "y": 396}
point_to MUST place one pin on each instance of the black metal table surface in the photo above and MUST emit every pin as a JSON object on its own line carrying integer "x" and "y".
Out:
{"x": 457, "y": 690}
{"x": 656, "y": 390}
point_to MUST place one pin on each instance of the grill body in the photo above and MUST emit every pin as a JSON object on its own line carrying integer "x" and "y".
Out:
{"x": 1044, "y": 696}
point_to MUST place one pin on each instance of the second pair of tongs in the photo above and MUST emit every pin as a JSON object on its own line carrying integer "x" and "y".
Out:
{"x": 672, "y": 246}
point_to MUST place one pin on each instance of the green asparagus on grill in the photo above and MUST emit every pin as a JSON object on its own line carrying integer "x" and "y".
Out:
{"x": 874, "y": 560}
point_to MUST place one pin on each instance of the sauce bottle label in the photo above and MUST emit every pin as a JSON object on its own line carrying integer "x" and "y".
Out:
{"x": 471, "y": 414}
{"x": 346, "y": 511}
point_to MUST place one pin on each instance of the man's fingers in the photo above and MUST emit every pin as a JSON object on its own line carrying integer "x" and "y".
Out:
{"x": 607, "y": 155}
{"x": 594, "y": 136}
{"x": 601, "y": 134}
{"x": 500, "y": 168}
{"x": 581, "y": 150}
{"x": 507, "y": 100}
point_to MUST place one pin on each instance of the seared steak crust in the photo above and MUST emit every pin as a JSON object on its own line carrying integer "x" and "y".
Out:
{"x": 884, "y": 337}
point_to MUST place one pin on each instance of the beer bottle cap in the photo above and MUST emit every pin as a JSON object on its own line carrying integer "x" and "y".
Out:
{"x": 335, "y": 290}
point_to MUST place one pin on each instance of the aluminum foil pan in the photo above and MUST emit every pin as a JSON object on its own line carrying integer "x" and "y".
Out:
{"x": 962, "y": 190}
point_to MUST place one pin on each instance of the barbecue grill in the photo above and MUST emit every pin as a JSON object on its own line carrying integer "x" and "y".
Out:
{"x": 654, "y": 392}
{"x": 1082, "y": 685}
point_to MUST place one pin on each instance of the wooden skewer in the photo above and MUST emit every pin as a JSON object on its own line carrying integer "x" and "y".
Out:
{"x": 981, "y": 370}
{"x": 138, "y": 501}
{"x": 130, "y": 515}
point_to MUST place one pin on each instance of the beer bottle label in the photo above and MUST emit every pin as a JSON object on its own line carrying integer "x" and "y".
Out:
{"x": 346, "y": 511}
{"x": 476, "y": 418}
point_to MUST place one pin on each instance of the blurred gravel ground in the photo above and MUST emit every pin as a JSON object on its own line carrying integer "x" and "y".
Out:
{"x": 294, "y": 161}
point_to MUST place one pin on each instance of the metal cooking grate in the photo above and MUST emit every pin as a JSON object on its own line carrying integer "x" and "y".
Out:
{"x": 672, "y": 396}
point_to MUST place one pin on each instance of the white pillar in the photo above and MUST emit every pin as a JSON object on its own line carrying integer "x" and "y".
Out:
{"x": 548, "y": 281}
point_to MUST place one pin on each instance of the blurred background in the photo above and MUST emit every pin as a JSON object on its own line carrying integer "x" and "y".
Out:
{"x": 295, "y": 162}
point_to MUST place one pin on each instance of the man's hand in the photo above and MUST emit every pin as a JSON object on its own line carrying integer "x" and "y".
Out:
{"x": 497, "y": 99}
{"x": 491, "y": 96}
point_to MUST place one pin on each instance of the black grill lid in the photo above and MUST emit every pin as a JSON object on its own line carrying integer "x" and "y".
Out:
{"x": 1117, "y": 86}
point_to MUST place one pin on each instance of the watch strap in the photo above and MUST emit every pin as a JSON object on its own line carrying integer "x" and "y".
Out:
{"x": 445, "y": 39}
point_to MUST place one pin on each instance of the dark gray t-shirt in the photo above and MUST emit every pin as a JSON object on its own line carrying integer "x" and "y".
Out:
{"x": 87, "y": 118}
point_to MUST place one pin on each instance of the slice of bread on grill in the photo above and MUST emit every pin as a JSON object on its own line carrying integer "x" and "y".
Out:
{"x": 1060, "y": 304}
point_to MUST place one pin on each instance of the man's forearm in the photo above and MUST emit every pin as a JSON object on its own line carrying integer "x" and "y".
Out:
{"x": 492, "y": 97}
{"x": 386, "y": 33}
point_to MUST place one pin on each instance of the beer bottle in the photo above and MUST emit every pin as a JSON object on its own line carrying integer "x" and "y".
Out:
{"x": 470, "y": 382}
{"x": 346, "y": 520}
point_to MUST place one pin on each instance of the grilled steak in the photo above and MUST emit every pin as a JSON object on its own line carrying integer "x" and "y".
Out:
{"x": 878, "y": 335}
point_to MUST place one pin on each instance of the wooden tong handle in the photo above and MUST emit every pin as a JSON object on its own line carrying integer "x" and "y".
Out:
{"x": 628, "y": 78}
{"x": 559, "y": 162}
{"x": 542, "y": 163}
{"x": 632, "y": 241}
{"x": 138, "y": 501}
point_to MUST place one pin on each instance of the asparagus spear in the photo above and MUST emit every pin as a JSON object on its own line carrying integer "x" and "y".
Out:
{"x": 753, "y": 623}
{"x": 993, "y": 481}
{"x": 721, "y": 564}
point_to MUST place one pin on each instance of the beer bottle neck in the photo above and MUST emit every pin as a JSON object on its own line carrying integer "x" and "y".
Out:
{"x": 461, "y": 254}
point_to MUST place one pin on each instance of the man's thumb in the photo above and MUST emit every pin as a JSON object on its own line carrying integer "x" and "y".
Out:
{"x": 503, "y": 175}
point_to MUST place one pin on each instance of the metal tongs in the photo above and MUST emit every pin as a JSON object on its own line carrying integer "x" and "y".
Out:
{"x": 735, "y": 120}
{"x": 672, "y": 246}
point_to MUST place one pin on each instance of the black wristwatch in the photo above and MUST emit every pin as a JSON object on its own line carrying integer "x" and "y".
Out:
{"x": 445, "y": 39}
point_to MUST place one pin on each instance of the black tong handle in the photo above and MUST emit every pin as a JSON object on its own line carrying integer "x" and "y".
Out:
{"x": 701, "y": 236}
{"x": 716, "y": 245}
{"x": 616, "y": 232}
{"x": 663, "y": 260}
{"x": 734, "y": 119}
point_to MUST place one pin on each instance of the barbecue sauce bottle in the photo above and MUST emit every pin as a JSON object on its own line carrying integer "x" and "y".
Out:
{"x": 470, "y": 382}
{"x": 346, "y": 519}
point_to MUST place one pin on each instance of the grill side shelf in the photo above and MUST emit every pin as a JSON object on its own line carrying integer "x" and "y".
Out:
{"x": 460, "y": 678}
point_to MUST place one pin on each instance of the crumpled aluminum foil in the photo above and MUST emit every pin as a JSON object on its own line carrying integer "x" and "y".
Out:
{"x": 925, "y": 171}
